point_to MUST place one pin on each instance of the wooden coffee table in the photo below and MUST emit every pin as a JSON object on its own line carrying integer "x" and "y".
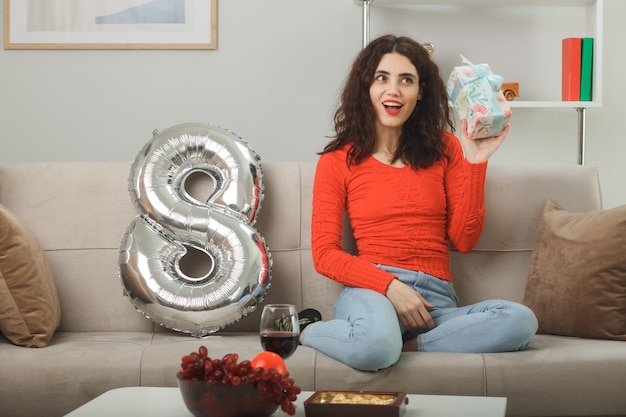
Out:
{"x": 167, "y": 402}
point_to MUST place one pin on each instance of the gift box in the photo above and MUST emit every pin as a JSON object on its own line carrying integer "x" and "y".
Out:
{"x": 475, "y": 93}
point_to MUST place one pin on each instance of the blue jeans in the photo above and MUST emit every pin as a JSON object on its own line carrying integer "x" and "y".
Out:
{"x": 367, "y": 335}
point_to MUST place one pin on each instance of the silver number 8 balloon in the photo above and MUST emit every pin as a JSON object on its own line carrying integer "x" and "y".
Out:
{"x": 174, "y": 225}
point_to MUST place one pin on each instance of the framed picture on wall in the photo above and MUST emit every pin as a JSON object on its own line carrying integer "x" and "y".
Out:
{"x": 110, "y": 24}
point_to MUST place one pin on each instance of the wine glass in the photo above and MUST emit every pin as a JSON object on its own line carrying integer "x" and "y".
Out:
{"x": 280, "y": 329}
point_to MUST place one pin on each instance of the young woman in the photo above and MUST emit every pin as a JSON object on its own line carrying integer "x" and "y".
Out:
{"x": 410, "y": 189}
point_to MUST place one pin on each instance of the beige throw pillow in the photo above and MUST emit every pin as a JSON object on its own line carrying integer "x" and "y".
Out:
{"x": 577, "y": 278}
{"x": 29, "y": 306}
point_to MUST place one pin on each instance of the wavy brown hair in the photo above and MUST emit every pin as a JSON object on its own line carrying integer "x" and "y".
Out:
{"x": 421, "y": 143}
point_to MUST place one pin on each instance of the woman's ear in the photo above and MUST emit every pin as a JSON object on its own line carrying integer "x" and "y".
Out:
{"x": 419, "y": 94}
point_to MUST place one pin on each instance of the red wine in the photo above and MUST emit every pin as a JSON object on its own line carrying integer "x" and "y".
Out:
{"x": 281, "y": 343}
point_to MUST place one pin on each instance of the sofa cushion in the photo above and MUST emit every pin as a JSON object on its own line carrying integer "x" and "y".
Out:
{"x": 29, "y": 306}
{"x": 577, "y": 277}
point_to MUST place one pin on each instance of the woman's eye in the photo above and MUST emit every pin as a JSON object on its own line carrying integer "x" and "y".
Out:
{"x": 380, "y": 77}
{"x": 407, "y": 80}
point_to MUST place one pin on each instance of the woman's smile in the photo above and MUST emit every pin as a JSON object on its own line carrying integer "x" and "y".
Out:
{"x": 392, "y": 107}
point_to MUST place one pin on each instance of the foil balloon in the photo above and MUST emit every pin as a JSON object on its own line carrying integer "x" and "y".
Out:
{"x": 195, "y": 263}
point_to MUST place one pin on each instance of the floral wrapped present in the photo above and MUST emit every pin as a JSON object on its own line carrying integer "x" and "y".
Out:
{"x": 475, "y": 92}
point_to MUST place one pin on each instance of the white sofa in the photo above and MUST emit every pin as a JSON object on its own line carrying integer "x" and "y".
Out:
{"x": 79, "y": 212}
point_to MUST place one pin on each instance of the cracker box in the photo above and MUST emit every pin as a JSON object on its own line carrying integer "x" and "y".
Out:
{"x": 475, "y": 93}
{"x": 356, "y": 403}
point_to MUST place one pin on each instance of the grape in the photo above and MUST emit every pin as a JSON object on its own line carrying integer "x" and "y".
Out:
{"x": 203, "y": 351}
{"x": 279, "y": 389}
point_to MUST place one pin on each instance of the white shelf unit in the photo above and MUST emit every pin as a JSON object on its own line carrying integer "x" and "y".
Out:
{"x": 520, "y": 39}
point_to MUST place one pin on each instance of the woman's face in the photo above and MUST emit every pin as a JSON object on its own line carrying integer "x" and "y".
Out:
{"x": 394, "y": 91}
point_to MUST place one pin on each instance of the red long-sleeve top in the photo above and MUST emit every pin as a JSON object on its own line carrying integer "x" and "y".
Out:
{"x": 401, "y": 217}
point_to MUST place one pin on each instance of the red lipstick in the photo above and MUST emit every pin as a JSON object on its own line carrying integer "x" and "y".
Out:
{"x": 392, "y": 107}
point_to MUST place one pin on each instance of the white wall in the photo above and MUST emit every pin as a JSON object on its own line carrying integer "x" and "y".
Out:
{"x": 274, "y": 81}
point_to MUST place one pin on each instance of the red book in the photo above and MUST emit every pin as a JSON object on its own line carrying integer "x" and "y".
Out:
{"x": 570, "y": 90}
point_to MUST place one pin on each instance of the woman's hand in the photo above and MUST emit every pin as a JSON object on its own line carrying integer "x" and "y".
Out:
{"x": 410, "y": 306}
{"x": 480, "y": 150}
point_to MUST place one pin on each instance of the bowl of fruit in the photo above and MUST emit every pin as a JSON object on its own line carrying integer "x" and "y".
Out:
{"x": 228, "y": 387}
